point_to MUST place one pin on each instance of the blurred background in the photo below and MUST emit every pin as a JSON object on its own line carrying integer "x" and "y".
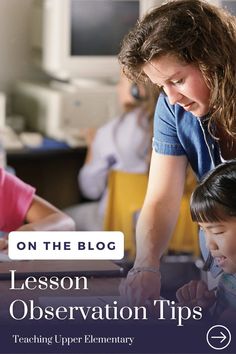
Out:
{"x": 58, "y": 78}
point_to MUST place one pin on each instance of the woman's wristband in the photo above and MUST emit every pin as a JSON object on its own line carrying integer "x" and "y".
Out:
{"x": 136, "y": 270}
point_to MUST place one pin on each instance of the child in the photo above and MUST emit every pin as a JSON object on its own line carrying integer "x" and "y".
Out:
{"x": 22, "y": 210}
{"x": 213, "y": 206}
{"x": 121, "y": 144}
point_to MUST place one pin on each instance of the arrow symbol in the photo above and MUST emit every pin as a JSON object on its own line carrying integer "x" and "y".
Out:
{"x": 222, "y": 337}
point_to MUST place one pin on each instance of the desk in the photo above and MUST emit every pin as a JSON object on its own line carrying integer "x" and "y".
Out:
{"x": 42, "y": 328}
{"x": 105, "y": 283}
{"x": 52, "y": 172}
{"x": 97, "y": 287}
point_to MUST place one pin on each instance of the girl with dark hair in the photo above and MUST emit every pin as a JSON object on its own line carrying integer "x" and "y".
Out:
{"x": 213, "y": 206}
{"x": 123, "y": 143}
{"x": 187, "y": 48}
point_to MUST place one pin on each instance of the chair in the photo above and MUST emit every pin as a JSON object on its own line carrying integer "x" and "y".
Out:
{"x": 126, "y": 192}
{"x": 185, "y": 235}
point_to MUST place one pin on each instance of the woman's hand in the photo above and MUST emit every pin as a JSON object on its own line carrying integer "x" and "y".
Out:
{"x": 140, "y": 287}
{"x": 196, "y": 293}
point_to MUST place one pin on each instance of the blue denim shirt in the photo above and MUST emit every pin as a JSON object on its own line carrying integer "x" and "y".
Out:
{"x": 178, "y": 132}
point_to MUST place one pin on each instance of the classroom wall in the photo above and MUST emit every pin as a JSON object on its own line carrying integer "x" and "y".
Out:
{"x": 15, "y": 62}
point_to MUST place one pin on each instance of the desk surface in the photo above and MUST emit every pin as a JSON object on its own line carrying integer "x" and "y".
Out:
{"x": 27, "y": 153}
{"x": 59, "y": 268}
{"x": 97, "y": 286}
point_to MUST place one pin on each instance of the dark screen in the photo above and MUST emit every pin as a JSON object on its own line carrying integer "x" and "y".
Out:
{"x": 99, "y": 26}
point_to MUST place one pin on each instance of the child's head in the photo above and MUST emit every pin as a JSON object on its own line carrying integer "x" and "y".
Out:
{"x": 213, "y": 206}
{"x": 145, "y": 98}
{"x": 195, "y": 33}
{"x": 127, "y": 101}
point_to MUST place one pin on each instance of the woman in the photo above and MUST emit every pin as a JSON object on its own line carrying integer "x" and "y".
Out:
{"x": 188, "y": 49}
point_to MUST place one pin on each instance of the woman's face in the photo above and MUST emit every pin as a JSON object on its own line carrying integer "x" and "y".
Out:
{"x": 182, "y": 83}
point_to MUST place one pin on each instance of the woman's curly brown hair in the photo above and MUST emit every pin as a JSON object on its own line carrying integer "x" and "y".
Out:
{"x": 195, "y": 32}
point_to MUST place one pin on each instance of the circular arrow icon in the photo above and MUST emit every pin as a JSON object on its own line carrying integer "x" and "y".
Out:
{"x": 218, "y": 337}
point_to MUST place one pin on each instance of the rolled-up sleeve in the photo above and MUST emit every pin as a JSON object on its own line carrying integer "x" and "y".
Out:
{"x": 165, "y": 140}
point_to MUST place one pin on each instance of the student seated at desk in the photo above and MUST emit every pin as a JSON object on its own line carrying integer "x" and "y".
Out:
{"x": 122, "y": 144}
{"x": 22, "y": 210}
{"x": 213, "y": 207}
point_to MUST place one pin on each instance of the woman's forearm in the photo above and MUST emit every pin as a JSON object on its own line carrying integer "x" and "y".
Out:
{"x": 154, "y": 230}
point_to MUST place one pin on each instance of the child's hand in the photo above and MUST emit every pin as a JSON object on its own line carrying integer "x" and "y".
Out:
{"x": 196, "y": 293}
